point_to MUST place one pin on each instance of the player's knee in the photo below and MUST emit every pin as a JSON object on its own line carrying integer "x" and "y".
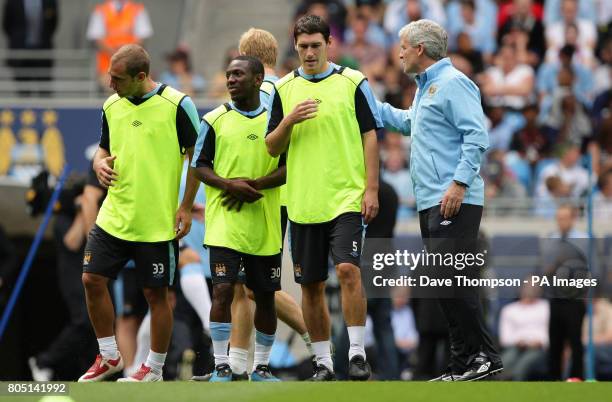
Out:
{"x": 348, "y": 274}
{"x": 155, "y": 296}
{"x": 223, "y": 293}
{"x": 313, "y": 291}
{"x": 249, "y": 293}
{"x": 264, "y": 299}
{"x": 93, "y": 282}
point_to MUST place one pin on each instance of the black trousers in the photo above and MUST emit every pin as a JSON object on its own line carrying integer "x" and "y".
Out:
{"x": 565, "y": 324}
{"x": 461, "y": 305}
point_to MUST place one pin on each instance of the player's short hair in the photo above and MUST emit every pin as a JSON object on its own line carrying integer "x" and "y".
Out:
{"x": 135, "y": 57}
{"x": 429, "y": 34}
{"x": 255, "y": 66}
{"x": 260, "y": 44}
{"x": 311, "y": 24}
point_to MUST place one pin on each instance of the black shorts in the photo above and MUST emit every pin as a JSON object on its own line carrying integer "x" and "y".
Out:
{"x": 312, "y": 244}
{"x": 242, "y": 274}
{"x": 155, "y": 262}
{"x": 261, "y": 273}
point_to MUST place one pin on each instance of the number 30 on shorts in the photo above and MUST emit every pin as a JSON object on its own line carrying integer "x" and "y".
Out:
{"x": 158, "y": 268}
{"x": 275, "y": 273}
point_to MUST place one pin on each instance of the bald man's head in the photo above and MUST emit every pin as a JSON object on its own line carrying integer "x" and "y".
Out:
{"x": 135, "y": 57}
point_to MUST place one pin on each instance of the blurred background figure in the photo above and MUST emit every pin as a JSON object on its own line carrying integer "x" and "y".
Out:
{"x": 180, "y": 74}
{"x": 30, "y": 25}
{"x": 565, "y": 257}
{"x": 523, "y": 335}
{"x": 115, "y": 23}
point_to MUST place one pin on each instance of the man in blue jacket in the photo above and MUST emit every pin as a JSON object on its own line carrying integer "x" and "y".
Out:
{"x": 446, "y": 123}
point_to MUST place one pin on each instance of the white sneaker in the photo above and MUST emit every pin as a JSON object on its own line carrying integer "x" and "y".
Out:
{"x": 39, "y": 373}
{"x": 102, "y": 369}
{"x": 144, "y": 374}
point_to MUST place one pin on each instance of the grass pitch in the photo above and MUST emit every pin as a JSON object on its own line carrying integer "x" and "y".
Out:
{"x": 494, "y": 391}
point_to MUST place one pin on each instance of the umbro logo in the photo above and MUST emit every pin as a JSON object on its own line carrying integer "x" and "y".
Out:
{"x": 318, "y": 100}
{"x": 136, "y": 123}
{"x": 252, "y": 137}
{"x": 484, "y": 367}
{"x": 445, "y": 223}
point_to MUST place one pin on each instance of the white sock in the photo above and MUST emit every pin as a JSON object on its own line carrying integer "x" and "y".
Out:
{"x": 238, "y": 360}
{"x": 356, "y": 338}
{"x": 263, "y": 347}
{"x": 220, "y": 334}
{"x": 108, "y": 347}
{"x": 306, "y": 337}
{"x": 323, "y": 354}
{"x": 156, "y": 361}
{"x": 196, "y": 292}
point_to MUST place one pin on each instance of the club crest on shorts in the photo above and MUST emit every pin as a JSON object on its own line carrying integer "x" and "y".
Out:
{"x": 220, "y": 270}
{"x": 86, "y": 258}
{"x": 297, "y": 270}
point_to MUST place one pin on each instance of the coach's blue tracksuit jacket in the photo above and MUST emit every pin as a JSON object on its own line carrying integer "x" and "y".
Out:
{"x": 448, "y": 132}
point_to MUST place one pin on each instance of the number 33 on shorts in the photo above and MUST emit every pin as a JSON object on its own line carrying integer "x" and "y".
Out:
{"x": 158, "y": 269}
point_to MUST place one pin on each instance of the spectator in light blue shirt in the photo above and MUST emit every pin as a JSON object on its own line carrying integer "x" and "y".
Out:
{"x": 448, "y": 132}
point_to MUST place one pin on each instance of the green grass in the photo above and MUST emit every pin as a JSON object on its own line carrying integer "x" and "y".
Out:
{"x": 337, "y": 392}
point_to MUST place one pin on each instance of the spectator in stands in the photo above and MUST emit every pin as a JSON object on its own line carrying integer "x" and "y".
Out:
{"x": 524, "y": 23}
{"x": 568, "y": 170}
{"x": 566, "y": 312}
{"x": 331, "y": 11}
{"x": 602, "y": 337}
{"x": 502, "y": 187}
{"x": 601, "y": 149}
{"x": 576, "y": 77}
{"x": 602, "y": 200}
{"x": 30, "y": 25}
{"x": 373, "y": 32}
{"x": 568, "y": 120}
{"x": 530, "y": 141}
{"x": 502, "y": 124}
{"x": 553, "y": 12}
{"x": 465, "y": 48}
{"x": 602, "y": 76}
{"x": 371, "y": 57}
{"x": 401, "y": 12}
{"x": 476, "y": 27}
{"x": 115, "y": 23}
{"x": 602, "y": 106}
{"x": 573, "y": 30}
{"x": 180, "y": 75}
{"x": 508, "y": 83}
{"x": 523, "y": 333}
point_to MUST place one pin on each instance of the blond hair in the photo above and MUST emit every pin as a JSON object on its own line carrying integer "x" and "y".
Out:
{"x": 260, "y": 44}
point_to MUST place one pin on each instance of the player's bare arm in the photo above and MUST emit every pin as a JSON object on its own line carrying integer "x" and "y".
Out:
{"x": 239, "y": 188}
{"x": 278, "y": 140}
{"x": 103, "y": 166}
{"x": 277, "y": 178}
{"x": 183, "y": 214}
{"x": 369, "y": 205}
